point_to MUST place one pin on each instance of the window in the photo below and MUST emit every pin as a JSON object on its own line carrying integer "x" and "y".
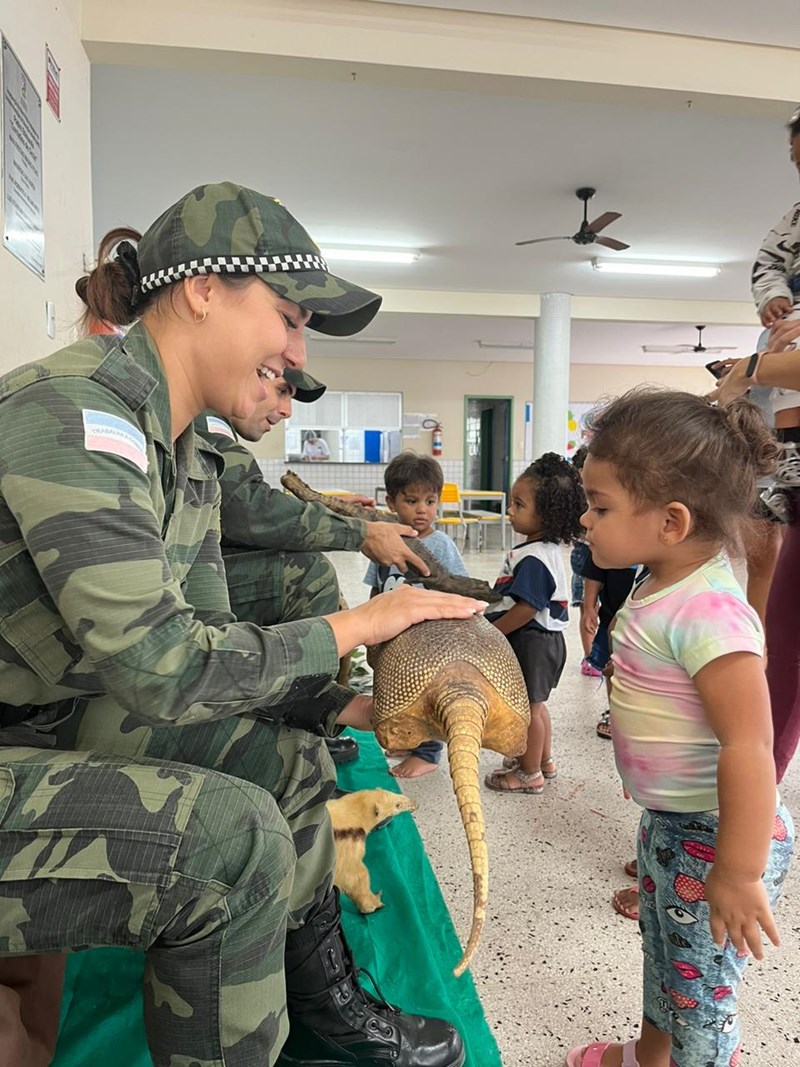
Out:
{"x": 346, "y": 428}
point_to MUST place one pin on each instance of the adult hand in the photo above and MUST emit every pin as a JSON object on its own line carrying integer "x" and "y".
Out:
{"x": 784, "y": 336}
{"x": 775, "y": 309}
{"x": 388, "y": 614}
{"x": 733, "y": 385}
{"x": 724, "y": 365}
{"x": 741, "y": 909}
{"x": 357, "y": 498}
{"x": 358, "y": 713}
{"x": 384, "y": 544}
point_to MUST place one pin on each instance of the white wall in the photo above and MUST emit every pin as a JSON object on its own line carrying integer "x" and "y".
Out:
{"x": 66, "y": 181}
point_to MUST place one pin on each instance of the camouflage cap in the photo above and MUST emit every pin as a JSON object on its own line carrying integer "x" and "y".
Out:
{"x": 305, "y": 387}
{"x": 227, "y": 229}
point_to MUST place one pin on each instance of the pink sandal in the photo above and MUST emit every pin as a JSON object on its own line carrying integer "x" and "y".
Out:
{"x": 590, "y": 1055}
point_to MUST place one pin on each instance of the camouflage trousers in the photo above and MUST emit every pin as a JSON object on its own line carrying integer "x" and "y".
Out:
{"x": 270, "y": 587}
{"x": 190, "y": 866}
{"x": 197, "y": 845}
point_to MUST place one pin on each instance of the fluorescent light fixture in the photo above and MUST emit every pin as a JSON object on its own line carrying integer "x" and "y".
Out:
{"x": 665, "y": 270}
{"x": 316, "y": 338}
{"x": 504, "y": 344}
{"x": 372, "y": 255}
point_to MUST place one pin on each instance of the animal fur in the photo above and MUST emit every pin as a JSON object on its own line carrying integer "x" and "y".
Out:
{"x": 354, "y": 816}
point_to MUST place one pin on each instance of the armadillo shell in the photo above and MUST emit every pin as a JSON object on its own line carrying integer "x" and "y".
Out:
{"x": 406, "y": 665}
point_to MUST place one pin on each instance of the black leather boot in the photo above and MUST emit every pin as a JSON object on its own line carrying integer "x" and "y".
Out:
{"x": 342, "y": 749}
{"x": 333, "y": 1021}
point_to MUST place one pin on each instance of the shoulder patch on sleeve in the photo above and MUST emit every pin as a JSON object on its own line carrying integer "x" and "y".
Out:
{"x": 217, "y": 425}
{"x": 103, "y": 432}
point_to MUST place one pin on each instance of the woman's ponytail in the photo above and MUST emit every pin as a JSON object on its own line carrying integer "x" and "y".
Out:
{"x": 111, "y": 291}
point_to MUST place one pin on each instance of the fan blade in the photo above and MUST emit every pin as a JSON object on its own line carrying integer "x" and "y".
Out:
{"x": 539, "y": 240}
{"x": 611, "y": 242}
{"x": 721, "y": 348}
{"x": 604, "y": 220}
{"x": 668, "y": 349}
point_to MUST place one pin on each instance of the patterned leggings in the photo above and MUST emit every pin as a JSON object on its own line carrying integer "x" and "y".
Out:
{"x": 691, "y": 984}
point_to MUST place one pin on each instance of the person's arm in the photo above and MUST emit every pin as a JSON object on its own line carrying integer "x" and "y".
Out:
{"x": 254, "y": 515}
{"x": 515, "y": 618}
{"x": 89, "y": 522}
{"x": 717, "y": 639}
{"x": 773, "y": 266}
{"x": 778, "y": 366}
{"x": 591, "y": 596}
{"x": 532, "y": 587}
{"x": 733, "y": 689}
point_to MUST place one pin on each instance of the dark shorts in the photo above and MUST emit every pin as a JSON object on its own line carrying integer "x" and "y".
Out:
{"x": 542, "y": 655}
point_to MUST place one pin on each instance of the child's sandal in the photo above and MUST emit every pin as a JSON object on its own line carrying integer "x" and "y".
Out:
{"x": 591, "y": 1055}
{"x": 511, "y": 763}
{"x": 497, "y": 781}
{"x": 552, "y": 772}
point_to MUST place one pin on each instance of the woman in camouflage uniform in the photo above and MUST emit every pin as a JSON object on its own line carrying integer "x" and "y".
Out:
{"x": 157, "y": 790}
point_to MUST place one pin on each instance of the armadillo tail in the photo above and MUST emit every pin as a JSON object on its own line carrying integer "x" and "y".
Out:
{"x": 463, "y": 721}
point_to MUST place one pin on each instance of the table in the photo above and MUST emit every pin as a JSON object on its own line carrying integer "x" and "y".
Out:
{"x": 490, "y": 494}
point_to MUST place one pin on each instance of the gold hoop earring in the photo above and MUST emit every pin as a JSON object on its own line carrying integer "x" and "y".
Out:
{"x": 200, "y": 319}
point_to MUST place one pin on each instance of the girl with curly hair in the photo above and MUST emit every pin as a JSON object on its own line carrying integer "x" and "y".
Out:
{"x": 671, "y": 483}
{"x": 545, "y": 508}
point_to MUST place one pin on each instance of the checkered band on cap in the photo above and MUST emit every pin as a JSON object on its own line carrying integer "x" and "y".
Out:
{"x": 286, "y": 264}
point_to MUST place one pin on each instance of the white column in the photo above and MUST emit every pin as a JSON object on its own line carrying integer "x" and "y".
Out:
{"x": 551, "y": 374}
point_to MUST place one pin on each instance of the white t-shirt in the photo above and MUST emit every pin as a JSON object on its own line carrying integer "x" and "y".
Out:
{"x": 316, "y": 449}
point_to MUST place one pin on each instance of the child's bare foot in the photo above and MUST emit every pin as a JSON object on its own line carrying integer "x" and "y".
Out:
{"x": 413, "y": 767}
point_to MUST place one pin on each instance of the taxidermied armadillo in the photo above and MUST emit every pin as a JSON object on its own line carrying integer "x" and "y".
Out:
{"x": 456, "y": 680}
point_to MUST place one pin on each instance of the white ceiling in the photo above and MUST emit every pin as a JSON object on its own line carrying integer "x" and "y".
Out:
{"x": 455, "y": 337}
{"x": 726, "y": 20}
{"x": 459, "y": 175}
{"x": 462, "y": 175}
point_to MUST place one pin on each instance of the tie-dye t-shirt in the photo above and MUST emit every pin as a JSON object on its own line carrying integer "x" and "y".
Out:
{"x": 665, "y": 749}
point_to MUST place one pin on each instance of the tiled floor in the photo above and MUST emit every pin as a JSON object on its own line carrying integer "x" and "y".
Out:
{"x": 556, "y": 965}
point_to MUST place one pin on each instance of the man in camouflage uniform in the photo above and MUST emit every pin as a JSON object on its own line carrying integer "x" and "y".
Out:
{"x": 155, "y": 791}
{"x": 272, "y": 543}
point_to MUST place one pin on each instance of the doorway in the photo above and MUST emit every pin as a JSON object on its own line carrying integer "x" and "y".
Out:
{"x": 487, "y": 442}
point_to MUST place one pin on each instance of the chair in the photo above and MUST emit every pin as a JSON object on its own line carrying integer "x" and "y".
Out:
{"x": 488, "y": 518}
{"x": 452, "y": 515}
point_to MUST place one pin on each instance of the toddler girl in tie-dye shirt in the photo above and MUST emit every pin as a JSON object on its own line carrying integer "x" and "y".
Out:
{"x": 671, "y": 482}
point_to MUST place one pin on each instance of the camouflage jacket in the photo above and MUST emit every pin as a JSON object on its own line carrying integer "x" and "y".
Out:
{"x": 111, "y": 577}
{"x": 254, "y": 515}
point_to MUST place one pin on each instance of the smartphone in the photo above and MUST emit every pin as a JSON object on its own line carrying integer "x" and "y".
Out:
{"x": 712, "y": 368}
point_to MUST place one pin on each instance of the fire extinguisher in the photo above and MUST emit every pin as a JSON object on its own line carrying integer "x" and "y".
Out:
{"x": 436, "y": 442}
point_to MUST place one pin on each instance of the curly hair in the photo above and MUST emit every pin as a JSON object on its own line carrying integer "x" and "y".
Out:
{"x": 558, "y": 496}
{"x": 668, "y": 445}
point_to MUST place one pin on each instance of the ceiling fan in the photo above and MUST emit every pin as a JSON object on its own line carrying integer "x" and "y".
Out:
{"x": 699, "y": 347}
{"x": 588, "y": 232}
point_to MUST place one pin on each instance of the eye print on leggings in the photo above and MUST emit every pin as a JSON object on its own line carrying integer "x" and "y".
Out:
{"x": 680, "y": 915}
{"x": 724, "y": 1026}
